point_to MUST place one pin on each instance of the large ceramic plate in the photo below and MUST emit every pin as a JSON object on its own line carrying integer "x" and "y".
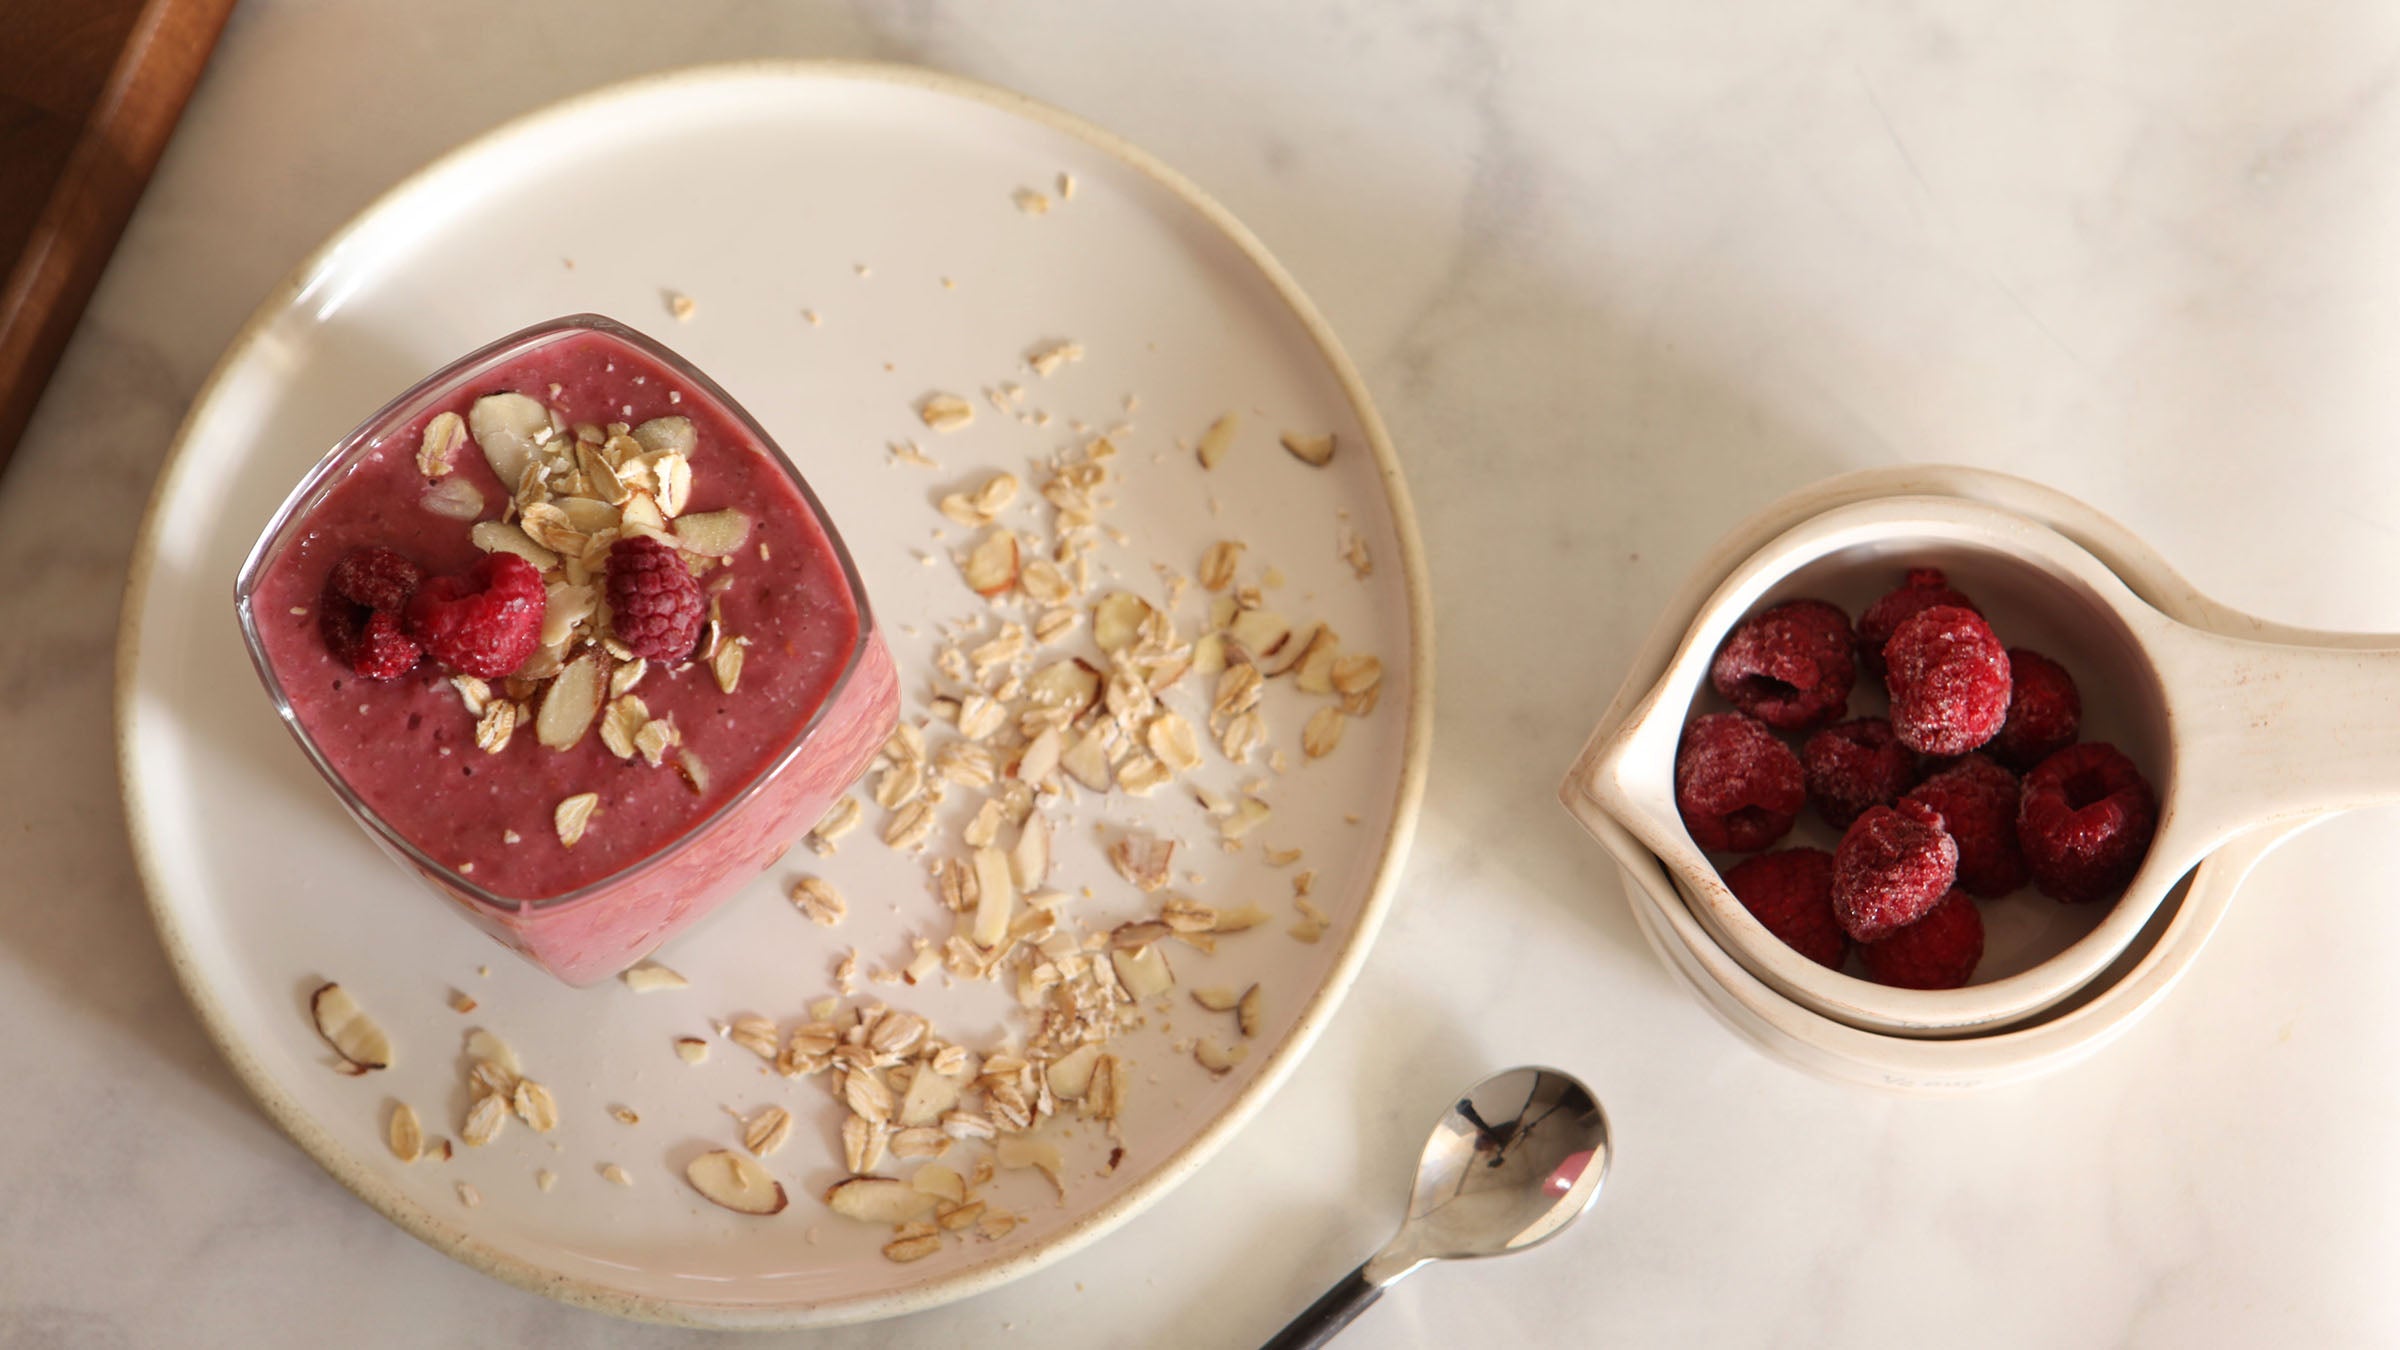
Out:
{"x": 883, "y": 202}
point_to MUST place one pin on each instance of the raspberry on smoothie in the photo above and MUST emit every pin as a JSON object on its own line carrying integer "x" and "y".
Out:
{"x": 573, "y": 639}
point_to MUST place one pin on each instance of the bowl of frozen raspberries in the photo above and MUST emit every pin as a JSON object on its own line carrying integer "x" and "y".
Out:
{"x": 1895, "y": 782}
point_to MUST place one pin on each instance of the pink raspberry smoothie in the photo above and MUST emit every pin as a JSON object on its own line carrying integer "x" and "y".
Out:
{"x": 582, "y": 839}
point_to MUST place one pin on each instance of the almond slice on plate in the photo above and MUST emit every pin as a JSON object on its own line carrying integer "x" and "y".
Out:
{"x": 1315, "y": 451}
{"x": 884, "y": 1200}
{"x": 1215, "y": 441}
{"x": 991, "y": 567}
{"x": 347, "y": 1028}
{"x": 724, "y": 1177}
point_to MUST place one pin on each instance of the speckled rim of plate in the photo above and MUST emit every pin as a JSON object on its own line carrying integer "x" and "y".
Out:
{"x": 1416, "y": 747}
{"x": 1844, "y": 1053}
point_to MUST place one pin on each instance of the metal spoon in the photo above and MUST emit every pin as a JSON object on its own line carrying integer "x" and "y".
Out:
{"x": 1510, "y": 1163}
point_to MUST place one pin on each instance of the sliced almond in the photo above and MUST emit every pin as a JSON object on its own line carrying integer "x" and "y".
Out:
{"x": 347, "y": 1028}
{"x": 1213, "y": 1056}
{"x": 508, "y": 427}
{"x": 1070, "y": 1074}
{"x": 1086, "y": 761}
{"x": 1258, "y": 634}
{"x": 494, "y": 536}
{"x": 1217, "y": 998}
{"x": 1352, "y": 675}
{"x": 915, "y": 1248}
{"x": 1051, "y": 355}
{"x": 1029, "y": 859}
{"x": 930, "y": 1097}
{"x": 571, "y": 701}
{"x": 487, "y": 1047}
{"x": 1313, "y": 673}
{"x": 1143, "y": 972}
{"x": 726, "y": 665}
{"x": 945, "y": 412}
{"x": 453, "y": 499}
{"x": 667, "y": 435}
{"x": 942, "y": 1183}
{"x": 1252, "y": 1010}
{"x": 1118, "y": 619}
{"x": 1313, "y": 450}
{"x": 726, "y": 1178}
{"x": 996, "y": 898}
{"x": 691, "y": 1049}
{"x": 883, "y": 1200}
{"x": 1143, "y": 859}
{"x": 991, "y": 566}
{"x": 573, "y": 816}
{"x": 1071, "y": 685}
{"x": 405, "y": 1133}
{"x": 649, "y": 977}
{"x": 673, "y": 474}
{"x": 714, "y": 534}
{"x": 1018, "y": 1151}
{"x": 1215, "y": 441}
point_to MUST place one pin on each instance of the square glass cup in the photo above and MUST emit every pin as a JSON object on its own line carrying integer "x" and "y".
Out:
{"x": 681, "y": 858}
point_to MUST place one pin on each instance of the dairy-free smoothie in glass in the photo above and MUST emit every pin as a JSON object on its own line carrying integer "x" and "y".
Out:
{"x": 572, "y": 639}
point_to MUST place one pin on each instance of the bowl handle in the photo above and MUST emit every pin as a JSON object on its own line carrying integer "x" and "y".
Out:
{"x": 2267, "y": 731}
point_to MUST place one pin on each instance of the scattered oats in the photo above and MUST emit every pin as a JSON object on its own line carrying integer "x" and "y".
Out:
{"x": 574, "y": 816}
{"x": 817, "y": 899}
{"x": 766, "y": 1132}
{"x": 626, "y": 1115}
{"x": 616, "y": 1174}
{"x": 535, "y": 1106}
{"x": 1353, "y": 548}
{"x": 1323, "y": 732}
{"x": 755, "y": 1034}
{"x": 468, "y": 1195}
{"x": 945, "y": 412}
{"x": 815, "y": 320}
{"x": 682, "y": 306}
{"x": 909, "y": 826}
{"x": 1066, "y": 187}
{"x": 405, "y": 1133}
{"x": 443, "y": 436}
{"x": 1316, "y": 450}
{"x": 545, "y": 1178}
{"x": 1218, "y": 439}
{"x": 484, "y": 1120}
{"x": 650, "y": 977}
{"x": 839, "y": 819}
{"x": 1218, "y": 564}
{"x": 1030, "y": 202}
{"x": 1050, "y": 356}
{"x": 1143, "y": 859}
{"x": 907, "y": 452}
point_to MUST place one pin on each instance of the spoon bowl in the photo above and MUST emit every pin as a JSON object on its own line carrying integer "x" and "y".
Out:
{"x": 2232, "y": 733}
{"x": 1515, "y": 1159}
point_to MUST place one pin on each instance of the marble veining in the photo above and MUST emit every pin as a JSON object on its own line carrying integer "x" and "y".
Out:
{"x": 1618, "y": 274}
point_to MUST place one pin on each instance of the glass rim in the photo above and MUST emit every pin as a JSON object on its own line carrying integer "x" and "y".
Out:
{"x": 328, "y": 468}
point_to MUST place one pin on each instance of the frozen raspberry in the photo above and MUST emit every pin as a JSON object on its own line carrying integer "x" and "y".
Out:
{"x": 375, "y": 578}
{"x": 1856, "y": 765}
{"x": 1949, "y": 681}
{"x": 368, "y": 641}
{"x": 2085, "y": 821}
{"x": 483, "y": 623}
{"x": 2045, "y": 713}
{"x": 1892, "y": 865}
{"x": 1924, "y": 588}
{"x": 653, "y": 599}
{"x": 1790, "y": 891}
{"x": 1938, "y": 951}
{"x": 1737, "y": 787}
{"x": 359, "y": 613}
{"x": 1791, "y": 667}
{"x": 1977, "y": 800}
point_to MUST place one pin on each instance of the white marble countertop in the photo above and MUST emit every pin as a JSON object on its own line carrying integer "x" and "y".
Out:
{"x": 1618, "y": 274}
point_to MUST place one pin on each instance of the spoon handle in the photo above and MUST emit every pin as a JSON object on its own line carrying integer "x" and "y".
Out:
{"x": 1334, "y": 1309}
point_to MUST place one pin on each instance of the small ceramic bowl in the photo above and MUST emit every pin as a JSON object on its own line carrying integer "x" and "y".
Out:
{"x": 1814, "y": 1016}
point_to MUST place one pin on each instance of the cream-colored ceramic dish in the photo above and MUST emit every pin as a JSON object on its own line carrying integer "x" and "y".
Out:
{"x": 2233, "y": 732}
{"x": 2126, "y": 988}
{"x": 854, "y": 242}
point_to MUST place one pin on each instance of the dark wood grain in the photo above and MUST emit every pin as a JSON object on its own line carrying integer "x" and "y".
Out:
{"x": 89, "y": 92}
